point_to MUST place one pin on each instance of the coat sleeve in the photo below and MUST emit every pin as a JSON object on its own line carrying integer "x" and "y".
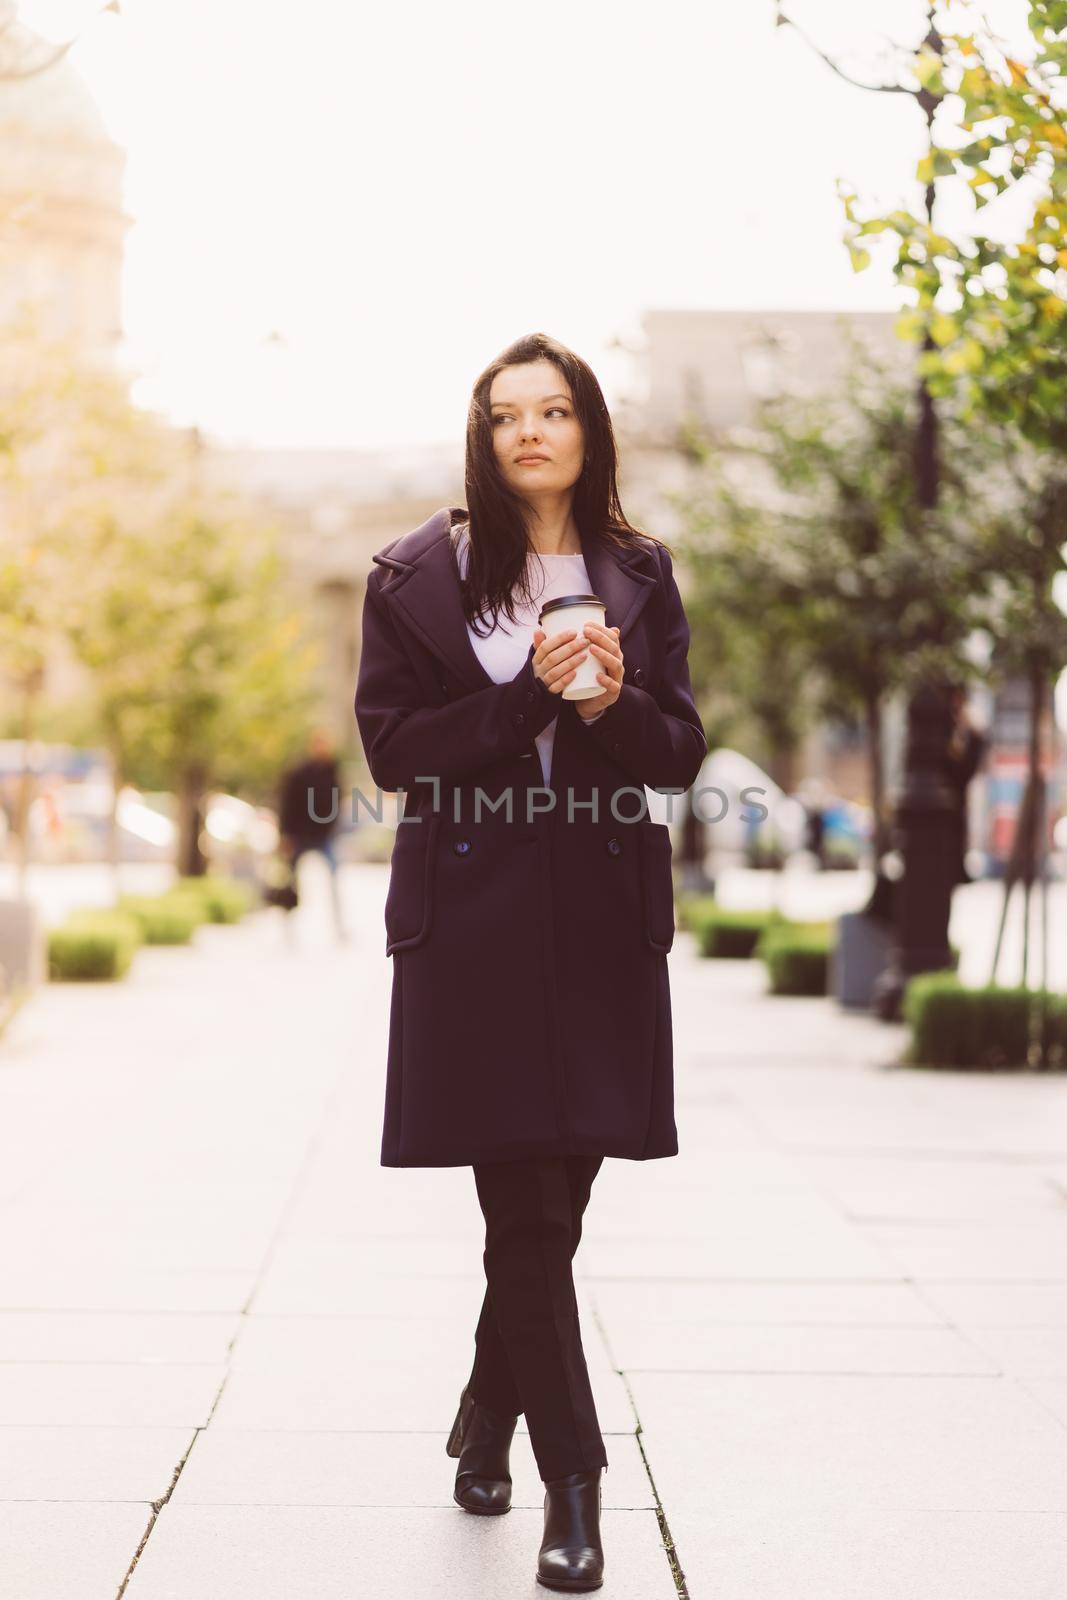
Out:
{"x": 659, "y": 739}
{"x": 405, "y": 741}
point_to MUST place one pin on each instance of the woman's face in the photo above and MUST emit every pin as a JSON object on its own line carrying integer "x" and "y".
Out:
{"x": 533, "y": 415}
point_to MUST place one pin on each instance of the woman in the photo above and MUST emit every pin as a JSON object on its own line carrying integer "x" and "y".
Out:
{"x": 530, "y": 905}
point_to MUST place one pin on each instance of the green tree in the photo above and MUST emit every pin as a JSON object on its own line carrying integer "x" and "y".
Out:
{"x": 836, "y": 580}
{"x": 203, "y": 668}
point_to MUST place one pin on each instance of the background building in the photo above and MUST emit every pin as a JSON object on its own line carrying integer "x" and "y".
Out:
{"x": 62, "y": 225}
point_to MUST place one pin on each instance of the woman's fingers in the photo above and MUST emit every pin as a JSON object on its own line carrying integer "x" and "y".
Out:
{"x": 556, "y": 659}
{"x": 605, "y": 646}
{"x": 613, "y": 665}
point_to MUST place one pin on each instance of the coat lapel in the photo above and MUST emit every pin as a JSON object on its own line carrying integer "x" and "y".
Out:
{"x": 427, "y": 593}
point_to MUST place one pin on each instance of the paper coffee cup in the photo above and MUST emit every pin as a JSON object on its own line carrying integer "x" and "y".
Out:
{"x": 572, "y": 611}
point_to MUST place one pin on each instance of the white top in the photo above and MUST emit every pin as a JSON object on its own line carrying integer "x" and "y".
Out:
{"x": 503, "y": 651}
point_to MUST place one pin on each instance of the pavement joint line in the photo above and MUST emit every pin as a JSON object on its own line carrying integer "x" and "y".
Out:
{"x": 666, "y": 1539}
{"x": 1023, "y": 1382}
{"x": 157, "y": 1505}
{"x": 285, "y": 1211}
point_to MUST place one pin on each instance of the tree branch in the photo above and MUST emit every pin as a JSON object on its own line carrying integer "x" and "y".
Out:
{"x": 782, "y": 21}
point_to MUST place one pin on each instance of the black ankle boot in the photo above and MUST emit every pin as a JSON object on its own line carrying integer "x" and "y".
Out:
{"x": 571, "y": 1555}
{"x": 481, "y": 1439}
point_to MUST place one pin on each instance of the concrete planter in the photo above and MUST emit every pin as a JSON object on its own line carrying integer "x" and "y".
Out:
{"x": 23, "y": 959}
{"x": 859, "y": 957}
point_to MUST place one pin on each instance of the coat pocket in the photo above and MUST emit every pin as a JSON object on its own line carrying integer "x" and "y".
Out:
{"x": 657, "y": 853}
{"x": 409, "y": 901}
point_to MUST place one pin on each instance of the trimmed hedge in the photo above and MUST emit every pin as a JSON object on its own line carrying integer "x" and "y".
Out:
{"x": 952, "y": 1026}
{"x": 224, "y": 899}
{"x": 691, "y": 908}
{"x": 797, "y": 956}
{"x": 93, "y": 945}
{"x": 730, "y": 935}
{"x": 170, "y": 918}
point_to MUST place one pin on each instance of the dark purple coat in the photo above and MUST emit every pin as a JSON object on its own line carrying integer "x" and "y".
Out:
{"x": 531, "y": 1010}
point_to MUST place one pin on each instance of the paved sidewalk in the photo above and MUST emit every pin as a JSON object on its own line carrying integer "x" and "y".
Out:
{"x": 828, "y": 1341}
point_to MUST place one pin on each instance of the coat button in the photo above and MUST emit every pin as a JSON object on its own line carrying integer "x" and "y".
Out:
{"x": 444, "y": 687}
{"x": 614, "y": 847}
{"x": 520, "y": 717}
{"x": 616, "y": 749}
{"x": 639, "y": 675}
{"x": 461, "y": 846}
{"x": 530, "y": 695}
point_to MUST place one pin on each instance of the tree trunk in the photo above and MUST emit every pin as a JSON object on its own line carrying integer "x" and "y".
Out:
{"x": 113, "y": 852}
{"x": 191, "y": 860}
{"x": 872, "y": 711}
{"x": 783, "y": 768}
{"x": 1033, "y": 844}
{"x": 31, "y": 688}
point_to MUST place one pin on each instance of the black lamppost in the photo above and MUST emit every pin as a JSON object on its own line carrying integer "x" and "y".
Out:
{"x": 921, "y": 898}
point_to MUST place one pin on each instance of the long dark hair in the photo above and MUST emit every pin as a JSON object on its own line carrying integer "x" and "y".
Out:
{"x": 497, "y": 569}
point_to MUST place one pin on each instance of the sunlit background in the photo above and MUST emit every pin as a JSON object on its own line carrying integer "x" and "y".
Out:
{"x": 338, "y": 214}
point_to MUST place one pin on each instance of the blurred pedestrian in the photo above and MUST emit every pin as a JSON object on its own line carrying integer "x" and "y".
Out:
{"x": 309, "y": 812}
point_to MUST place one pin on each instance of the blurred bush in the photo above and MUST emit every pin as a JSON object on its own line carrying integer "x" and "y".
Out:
{"x": 93, "y": 945}
{"x": 223, "y": 899}
{"x": 689, "y": 908}
{"x": 797, "y": 956}
{"x": 990, "y": 1027}
{"x": 729, "y": 935}
{"x": 169, "y": 918}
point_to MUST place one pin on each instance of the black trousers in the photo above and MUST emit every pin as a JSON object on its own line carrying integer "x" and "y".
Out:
{"x": 528, "y": 1343}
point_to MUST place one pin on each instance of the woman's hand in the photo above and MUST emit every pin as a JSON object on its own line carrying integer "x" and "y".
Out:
{"x": 604, "y": 643}
{"x": 555, "y": 660}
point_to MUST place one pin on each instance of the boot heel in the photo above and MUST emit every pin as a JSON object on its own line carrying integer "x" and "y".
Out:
{"x": 459, "y": 1427}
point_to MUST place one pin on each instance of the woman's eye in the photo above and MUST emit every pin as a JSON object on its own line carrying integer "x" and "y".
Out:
{"x": 503, "y": 416}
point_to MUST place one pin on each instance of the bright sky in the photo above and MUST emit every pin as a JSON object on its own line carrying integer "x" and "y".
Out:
{"x": 399, "y": 191}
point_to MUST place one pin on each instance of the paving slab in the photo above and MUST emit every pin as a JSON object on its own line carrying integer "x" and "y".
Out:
{"x": 136, "y": 1287}
{"x": 841, "y": 1553}
{"x": 379, "y": 1396}
{"x": 998, "y": 1305}
{"x": 108, "y": 1393}
{"x": 90, "y": 1463}
{"x": 708, "y": 1347}
{"x": 833, "y": 1252}
{"x": 837, "y": 1310}
{"x": 260, "y": 1467}
{"x": 334, "y": 1553}
{"x": 738, "y": 1441}
{"x": 1025, "y": 1253}
{"x": 115, "y": 1336}
{"x": 1024, "y": 1352}
{"x": 67, "y": 1551}
{"x": 1049, "y": 1392}
{"x": 452, "y": 1297}
{"x": 338, "y": 1275}
{"x": 847, "y": 1304}
{"x": 929, "y": 1188}
{"x": 345, "y": 1345}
